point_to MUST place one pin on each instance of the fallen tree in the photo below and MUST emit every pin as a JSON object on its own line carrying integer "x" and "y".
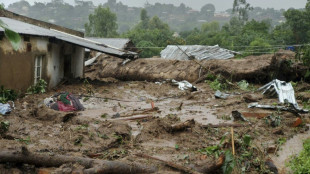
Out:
{"x": 92, "y": 166}
{"x": 253, "y": 69}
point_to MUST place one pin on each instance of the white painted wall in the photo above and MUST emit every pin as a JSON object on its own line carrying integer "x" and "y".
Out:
{"x": 55, "y": 66}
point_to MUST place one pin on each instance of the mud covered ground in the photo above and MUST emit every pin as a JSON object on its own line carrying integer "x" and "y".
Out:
{"x": 103, "y": 130}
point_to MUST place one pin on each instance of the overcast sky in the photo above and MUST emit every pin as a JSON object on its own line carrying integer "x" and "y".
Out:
{"x": 220, "y": 5}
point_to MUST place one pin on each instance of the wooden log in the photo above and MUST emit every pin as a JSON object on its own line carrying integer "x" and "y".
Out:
{"x": 133, "y": 118}
{"x": 92, "y": 166}
{"x": 224, "y": 125}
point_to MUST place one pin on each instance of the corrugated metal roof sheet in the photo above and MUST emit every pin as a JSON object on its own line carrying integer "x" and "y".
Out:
{"x": 200, "y": 52}
{"x": 29, "y": 29}
{"x": 119, "y": 43}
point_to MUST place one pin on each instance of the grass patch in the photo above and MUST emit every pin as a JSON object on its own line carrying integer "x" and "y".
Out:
{"x": 301, "y": 164}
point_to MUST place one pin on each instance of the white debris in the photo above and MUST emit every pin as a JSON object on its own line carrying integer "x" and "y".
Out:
{"x": 284, "y": 90}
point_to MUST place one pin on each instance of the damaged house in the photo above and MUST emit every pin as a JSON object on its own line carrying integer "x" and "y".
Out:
{"x": 47, "y": 51}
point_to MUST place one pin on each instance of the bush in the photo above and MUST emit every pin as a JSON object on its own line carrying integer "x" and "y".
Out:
{"x": 217, "y": 82}
{"x": 39, "y": 87}
{"x": 7, "y": 95}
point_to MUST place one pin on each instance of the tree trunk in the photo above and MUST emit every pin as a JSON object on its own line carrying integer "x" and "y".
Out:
{"x": 92, "y": 166}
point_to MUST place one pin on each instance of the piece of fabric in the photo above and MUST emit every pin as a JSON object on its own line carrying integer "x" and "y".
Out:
{"x": 63, "y": 98}
{"x": 55, "y": 106}
{"x": 48, "y": 101}
{"x": 76, "y": 102}
{"x": 5, "y": 109}
{"x": 65, "y": 108}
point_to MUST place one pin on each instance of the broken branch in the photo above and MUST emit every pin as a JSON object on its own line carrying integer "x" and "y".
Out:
{"x": 224, "y": 125}
{"x": 170, "y": 164}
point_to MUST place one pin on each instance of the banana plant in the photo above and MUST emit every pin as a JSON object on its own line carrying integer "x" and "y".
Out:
{"x": 11, "y": 35}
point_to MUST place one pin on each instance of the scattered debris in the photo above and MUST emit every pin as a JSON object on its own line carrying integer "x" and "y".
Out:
{"x": 5, "y": 109}
{"x": 271, "y": 149}
{"x": 92, "y": 60}
{"x": 276, "y": 107}
{"x": 117, "y": 115}
{"x": 183, "y": 126}
{"x": 219, "y": 94}
{"x": 249, "y": 98}
{"x": 238, "y": 116}
{"x": 64, "y": 102}
{"x": 285, "y": 91}
{"x": 297, "y": 122}
{"x": 184, "y": 85}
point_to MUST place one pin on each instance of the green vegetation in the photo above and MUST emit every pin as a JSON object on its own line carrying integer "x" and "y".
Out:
{"x": 12, "y": 36}
{"x": 4, "y": 126}
{"x": 7, "y": 95}
{"x": 301, "y": 164}
{"x": 217, "y": 82}
{"x": 229, "y": 163}
{"x": 26, "y": 140}
{"x": 88, "y": 88}
{"x": 102, "y": 23}
{"x": 242, "y": 161}
{"x": 105, "y": 115}
{"x": 39, "y": 87}
{"x": 242, "y": 28}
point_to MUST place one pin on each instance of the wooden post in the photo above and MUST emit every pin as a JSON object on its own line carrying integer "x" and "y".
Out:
{"x": 232, "y": 141}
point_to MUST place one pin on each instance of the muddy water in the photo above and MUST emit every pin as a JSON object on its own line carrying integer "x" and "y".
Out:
{"x": 201, "y": 113}
{"x": 292, "y": 147}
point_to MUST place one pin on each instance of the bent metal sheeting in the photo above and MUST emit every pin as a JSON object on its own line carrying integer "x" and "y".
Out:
{"x": 29, "y": 29}
{"x": 200, "y": 52}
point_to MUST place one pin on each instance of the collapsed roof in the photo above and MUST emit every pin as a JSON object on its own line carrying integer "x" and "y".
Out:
{"x": 120, "y": 43}
{"x": 200, "y": 52}
{"x": 33, "y": 30}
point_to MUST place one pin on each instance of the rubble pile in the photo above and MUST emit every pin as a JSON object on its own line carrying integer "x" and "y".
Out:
{"x": 166, "y": 124}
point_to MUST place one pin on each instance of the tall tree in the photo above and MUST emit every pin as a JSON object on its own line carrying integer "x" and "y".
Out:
{"x": 208, "y": 10}
{"x": 299, "y": 22}
{"x": 144, "y": 19}
{"x": 242, "y": 7}
{"x": 102, "y": 23}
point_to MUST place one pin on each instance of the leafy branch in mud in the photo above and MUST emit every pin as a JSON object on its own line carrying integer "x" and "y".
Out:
{"x": 217, "y": 82}
{"x": 243, "y": 161}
